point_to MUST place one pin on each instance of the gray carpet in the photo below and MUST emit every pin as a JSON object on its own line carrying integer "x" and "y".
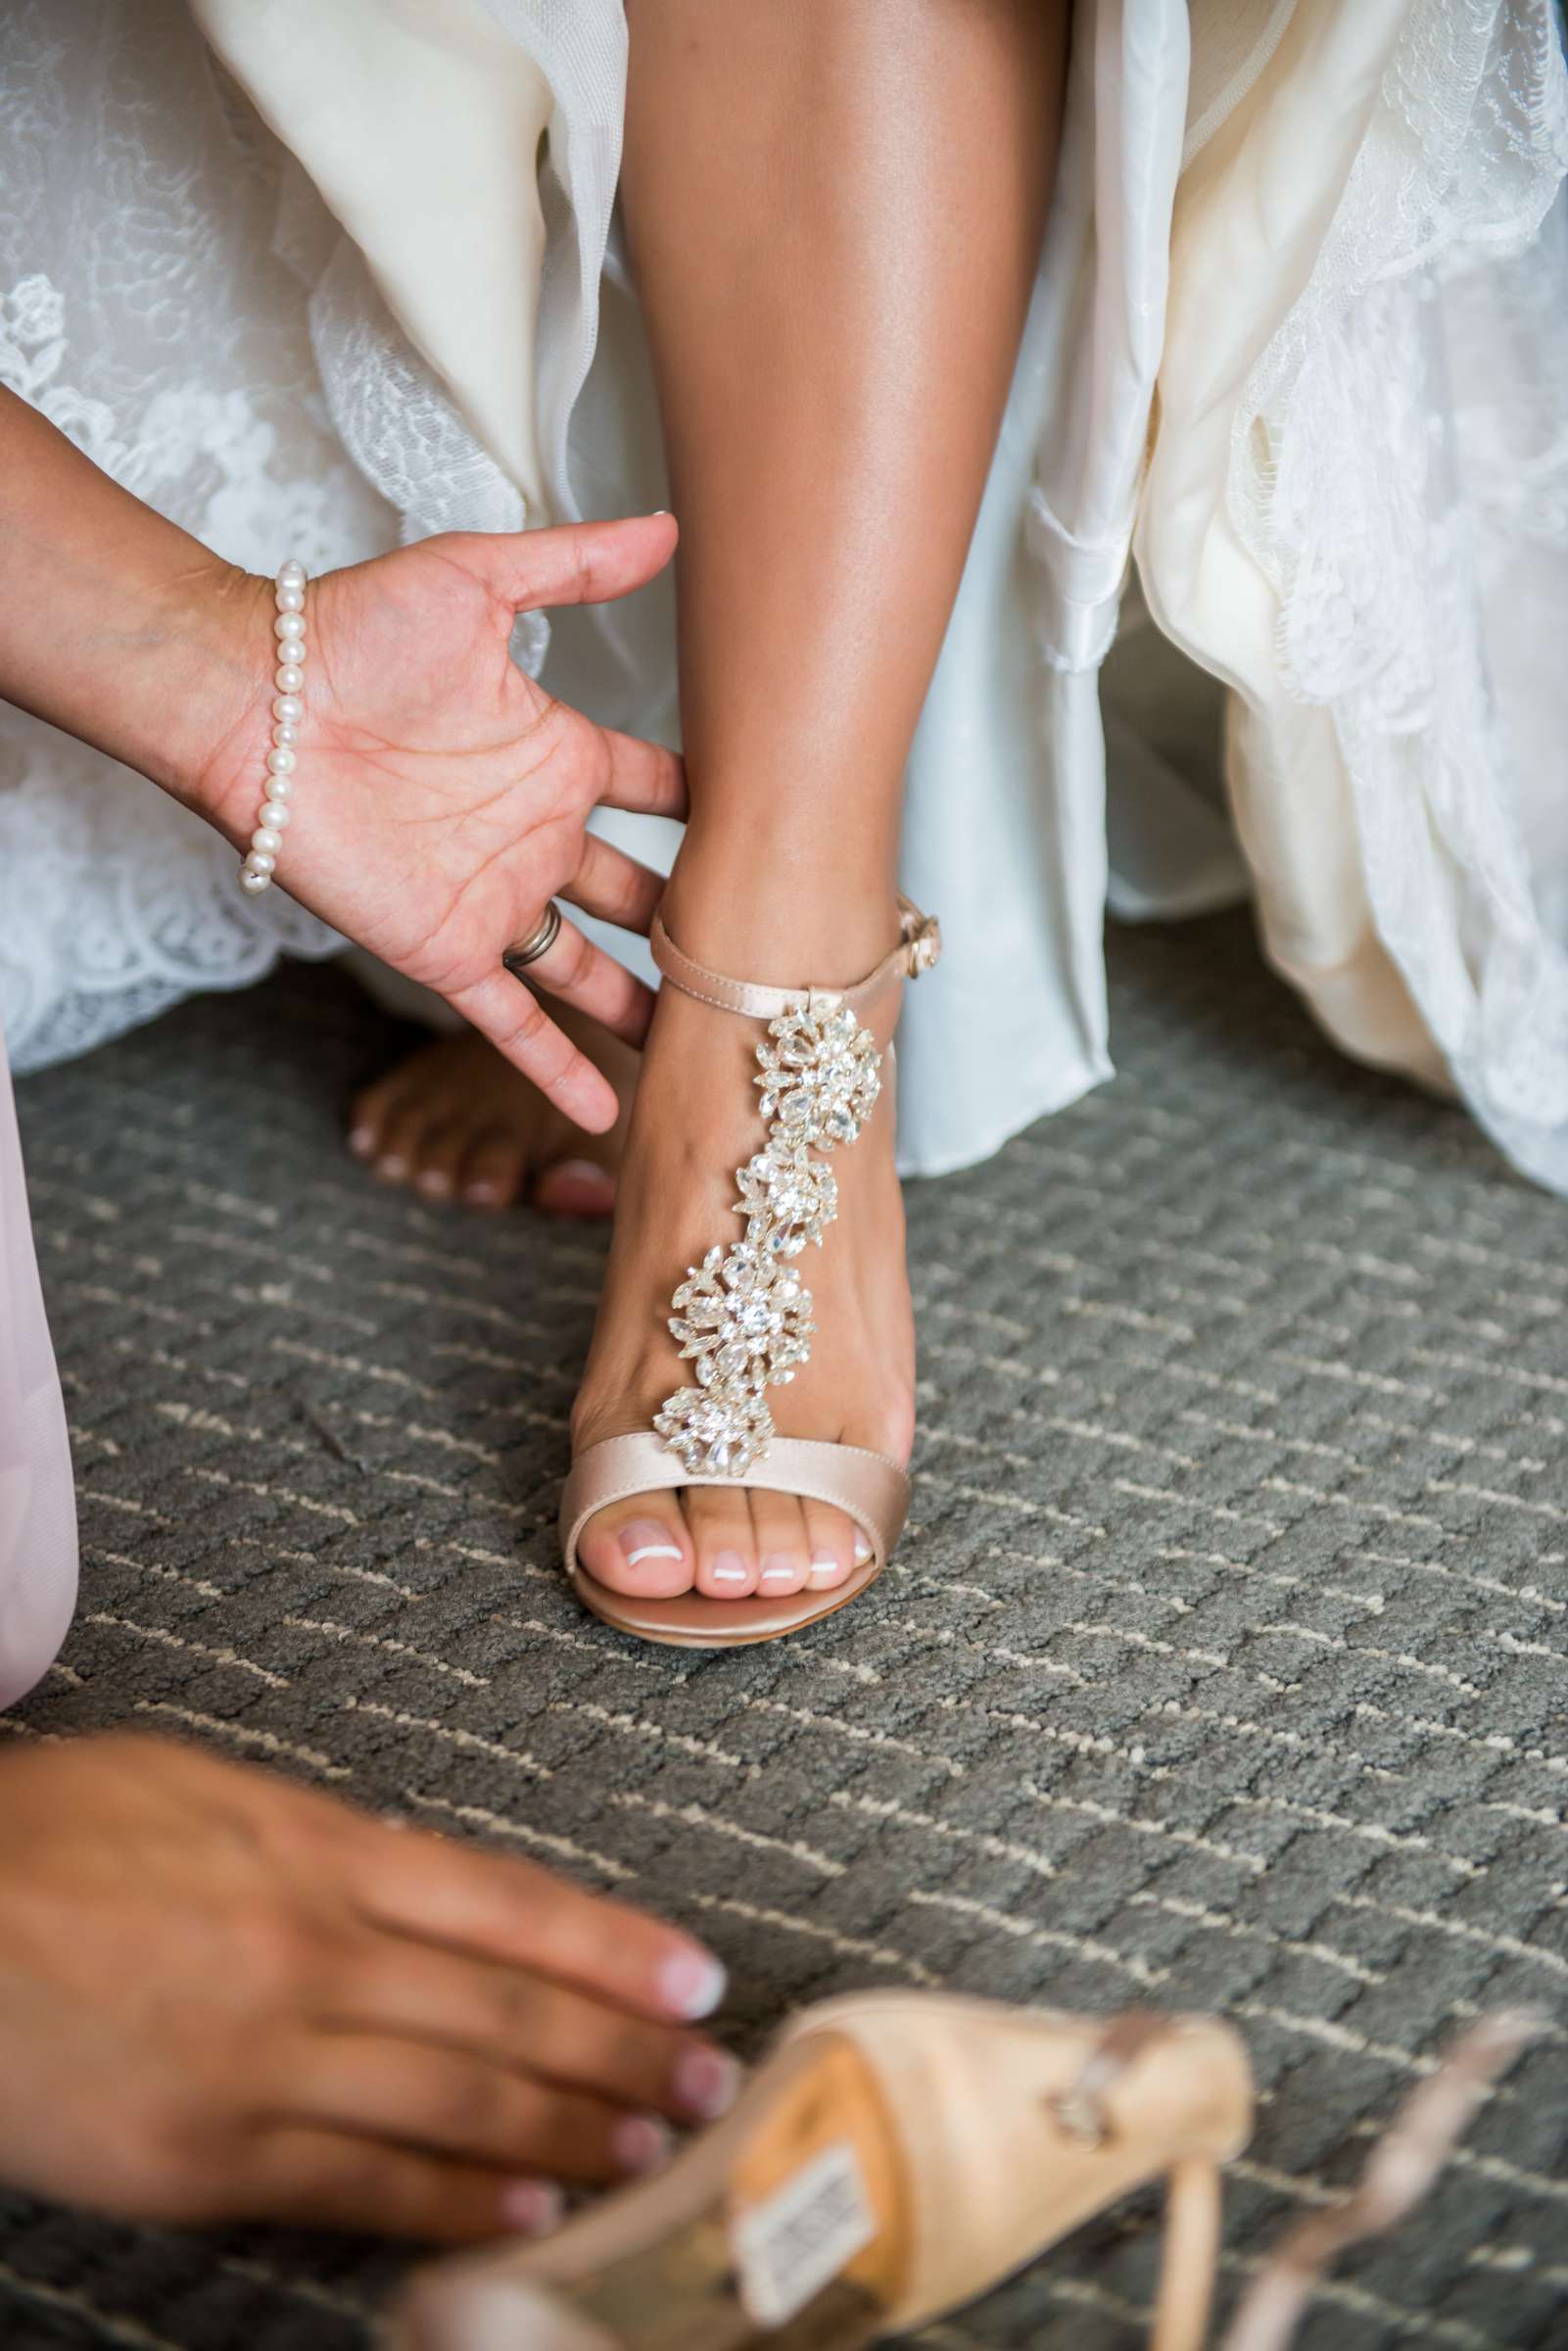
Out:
{"x": 1226, "y": 1662}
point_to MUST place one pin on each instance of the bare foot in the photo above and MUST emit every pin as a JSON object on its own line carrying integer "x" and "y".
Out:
{"x": 696, "y": 1121}
{"x": 454, "y": 1121}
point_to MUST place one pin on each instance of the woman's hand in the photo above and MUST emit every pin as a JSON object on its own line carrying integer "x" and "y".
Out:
{"x": 442, "y": 796}
{"x": 223, "y": 1996}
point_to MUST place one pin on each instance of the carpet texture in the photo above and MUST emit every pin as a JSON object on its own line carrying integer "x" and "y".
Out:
{"x": 1225, "y": 1663}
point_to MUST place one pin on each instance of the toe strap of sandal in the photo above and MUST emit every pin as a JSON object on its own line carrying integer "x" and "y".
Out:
{"x": 867, "y": 1487}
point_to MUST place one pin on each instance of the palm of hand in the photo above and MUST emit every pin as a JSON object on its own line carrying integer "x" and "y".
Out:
{"x": 443, "y": 796}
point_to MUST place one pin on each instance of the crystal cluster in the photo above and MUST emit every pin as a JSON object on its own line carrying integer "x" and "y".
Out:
{"x": 742, "y": 1317}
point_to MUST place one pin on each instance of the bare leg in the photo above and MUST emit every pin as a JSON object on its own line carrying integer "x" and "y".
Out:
{"x": 835, "y": 208}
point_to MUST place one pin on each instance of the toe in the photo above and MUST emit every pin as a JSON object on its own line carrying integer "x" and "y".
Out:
{"x": 574, "y": 1187}
{"x": 437, "y": 1157}
{"x": 784, "y": 1554}
{"x": 397, "y": 1151}
{"x": 640, "y": 1546}
{"x": 493, "y": 1170}
{"x": 368, "y": 1115}
{"x": 719, "y": 1519}
{"x": 835, "y": 1547}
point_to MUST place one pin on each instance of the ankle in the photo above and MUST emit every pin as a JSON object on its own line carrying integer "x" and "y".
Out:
{"x": 779, "y": 917}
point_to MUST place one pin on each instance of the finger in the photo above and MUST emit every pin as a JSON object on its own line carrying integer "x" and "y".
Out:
{"x": 518, "y": 2020}
{"x": 643, "y": 776}
{"x": 614, "y": 887}
{"x": 576, "y": 563}
{"x": 516, "y": 1024}
{"x": 506, "y": 1908}
{"x": 447, "y": 2102}
{"x": 582, "y": 974}
{"x": 307, "y": 2178}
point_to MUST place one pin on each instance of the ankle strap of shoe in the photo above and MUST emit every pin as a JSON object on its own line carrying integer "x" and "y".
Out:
{"x": 920, "y": 944}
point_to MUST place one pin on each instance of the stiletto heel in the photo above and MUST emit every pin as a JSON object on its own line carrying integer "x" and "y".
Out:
{"x": 1192, "y": 2249}
{"x": 742, "y": 1316}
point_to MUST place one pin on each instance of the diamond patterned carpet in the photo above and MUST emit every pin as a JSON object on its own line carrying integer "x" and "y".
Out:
{"x": 1225, "y": 1665}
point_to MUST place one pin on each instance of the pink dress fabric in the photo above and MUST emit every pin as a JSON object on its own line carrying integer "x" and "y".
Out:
{"x": 37, "y": 1505}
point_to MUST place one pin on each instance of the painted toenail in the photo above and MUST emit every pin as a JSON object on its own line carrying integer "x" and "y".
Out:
{"x": 730, "y": 1569}
{"x": 482, "y": 1193}
{"x": 861, "y": 1549}
{"x": 823, "y": 1571}
{"x": 431, "y": 1179}
{"x": 642, "y": 1539}
{"x": 392, "y": 1165}
{"x": 360, "y": 1138}
{"x": 706, "y": 2082}
{"x": 640, "y": 2141}
{"x": 776, "y": 1571}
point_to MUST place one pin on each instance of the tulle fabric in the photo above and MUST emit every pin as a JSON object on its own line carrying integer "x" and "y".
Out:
{"x": 287, "y": 323}
{"x": 37, "y": 1507}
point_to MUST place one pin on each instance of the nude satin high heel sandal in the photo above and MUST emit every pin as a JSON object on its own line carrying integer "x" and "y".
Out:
{"x": 744, "y": 1316}
{"x": 898, "y": 2154}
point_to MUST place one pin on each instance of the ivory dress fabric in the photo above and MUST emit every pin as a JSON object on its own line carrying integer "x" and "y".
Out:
{"x": 1298, "y": 342}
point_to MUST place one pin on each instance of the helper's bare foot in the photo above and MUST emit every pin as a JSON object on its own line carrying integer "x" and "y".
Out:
{"x": 694, "y": 1121}
{"x": 454, "y": 1121}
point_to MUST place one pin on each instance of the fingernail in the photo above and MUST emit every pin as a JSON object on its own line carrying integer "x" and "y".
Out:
{"x": 706, "y": 2082}
{"x": 641, "y": 2142}
{"x": 692, "y": 1982}
{"x": 728, "y": 1568}
{"x": 644, "y": 1539}
{"x": 824, "y": 1568}
{"x": 778, "y": 1571}
{"x": 861, "y": 1549}
{"x": 531, "y": 2206}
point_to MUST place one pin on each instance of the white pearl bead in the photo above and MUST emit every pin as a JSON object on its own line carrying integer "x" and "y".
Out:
{"x": 279, "y": 788}
{"x": 281, "y": 762}
{"x": 289, "y": 678}
{"x": 284, "y": 735}
{"x": 259, "y": 861}
{"x": 273, "y": 815}
{"x": 253, "y": 883}
{"x": 264, "y": 837}
{"x": 290, "y": 599}
{"x": 292, "y": 573}
{"x": 289, "y": 624}
{"x": 288, "y": 706}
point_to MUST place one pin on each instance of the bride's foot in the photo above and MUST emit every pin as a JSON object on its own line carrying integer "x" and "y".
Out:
{"x": 696, "y": 1121}
{"x": 454, "y": 1121}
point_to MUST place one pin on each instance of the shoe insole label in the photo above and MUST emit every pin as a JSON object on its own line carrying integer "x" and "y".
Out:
{"x": 798, "y": 2239}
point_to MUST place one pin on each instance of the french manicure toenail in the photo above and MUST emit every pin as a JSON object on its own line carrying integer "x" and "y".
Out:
{"x": 862, "y": 1549}
{"x": 728, "y": 1568}
{"x": 531, "y": 2206}
{"x": 644, "y": 1540}
{"x": 823, "y": 1571}
{"x": 692, "y": 1982}
{"x": 640, "y": 2141}
{"x": 775, "y": 1571}
{"x": 706, "y": 2082}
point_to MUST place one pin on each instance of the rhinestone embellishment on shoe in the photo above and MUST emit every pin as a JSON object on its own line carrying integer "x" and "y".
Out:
{"x": 742, "y": 1317}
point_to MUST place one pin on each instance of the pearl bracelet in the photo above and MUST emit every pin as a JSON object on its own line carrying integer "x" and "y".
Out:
{"x": 287, "y": 711}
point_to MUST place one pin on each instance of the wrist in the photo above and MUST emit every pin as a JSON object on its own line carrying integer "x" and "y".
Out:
{"x": 221, "y": 657}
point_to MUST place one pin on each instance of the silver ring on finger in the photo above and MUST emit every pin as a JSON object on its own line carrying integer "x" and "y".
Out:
{"x": 538, "y": 941}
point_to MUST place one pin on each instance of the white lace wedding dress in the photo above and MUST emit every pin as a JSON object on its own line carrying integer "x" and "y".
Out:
{"x": 1299, "y": 349}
